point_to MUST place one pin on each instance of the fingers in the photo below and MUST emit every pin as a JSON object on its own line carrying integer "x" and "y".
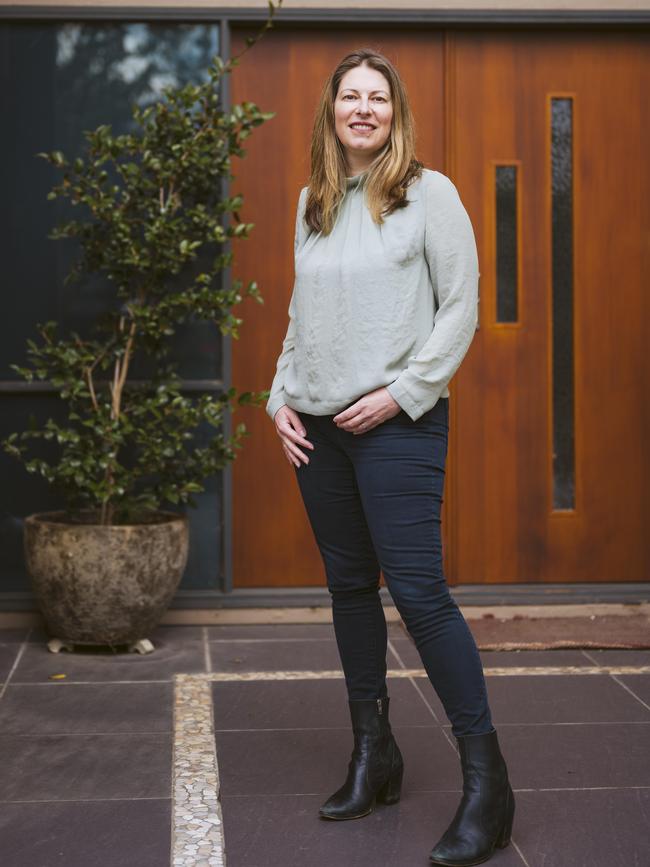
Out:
{"x": 359, "y": 423}
{"x": 297, "y": 433}
{"x": 368, "y": 412}
{"x": 292, "y": 432}
{"x": 294, "y": 455}
{"x": 290, "y": 439}
{"x": 358, "y": 418}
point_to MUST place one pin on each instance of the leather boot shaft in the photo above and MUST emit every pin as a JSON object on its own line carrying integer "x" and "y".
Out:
{"x": 483, "y": 820}
{"x": 376, "y": 765}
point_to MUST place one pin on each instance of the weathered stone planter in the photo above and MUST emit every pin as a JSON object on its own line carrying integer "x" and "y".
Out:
{"x": 98, "y": 584}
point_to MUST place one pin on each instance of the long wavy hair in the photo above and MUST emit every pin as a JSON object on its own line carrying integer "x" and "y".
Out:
{"x": 393, "y": 168}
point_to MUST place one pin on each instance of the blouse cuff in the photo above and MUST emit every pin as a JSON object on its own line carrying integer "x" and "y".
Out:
{"x": 410, "y": 406}
{"x": 274, "y": 403}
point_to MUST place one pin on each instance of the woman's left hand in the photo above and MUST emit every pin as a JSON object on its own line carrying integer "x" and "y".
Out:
{"x": 369, "y": 411}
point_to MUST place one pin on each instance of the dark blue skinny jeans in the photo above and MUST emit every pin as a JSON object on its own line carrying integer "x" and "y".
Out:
{"x": 373, "y": 500}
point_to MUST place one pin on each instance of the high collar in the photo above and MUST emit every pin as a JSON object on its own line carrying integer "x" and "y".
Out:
{"x": 355, "y": 180}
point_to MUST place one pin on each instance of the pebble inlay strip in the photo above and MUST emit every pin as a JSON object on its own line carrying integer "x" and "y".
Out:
{"x": 503, "y": 671}
{"x": 197, "y": 834}
{"x": 198, "y": 838}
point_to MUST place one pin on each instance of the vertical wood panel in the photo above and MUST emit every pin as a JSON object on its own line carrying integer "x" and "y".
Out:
{"x": 504, "y": 484}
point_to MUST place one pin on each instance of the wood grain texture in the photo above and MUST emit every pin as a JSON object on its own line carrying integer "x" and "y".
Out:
{"x": 507, "y": 528}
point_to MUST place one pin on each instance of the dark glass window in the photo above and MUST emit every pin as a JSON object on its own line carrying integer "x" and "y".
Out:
{"x": 506, "y": 242}
{"x": 66, "y": 78}
{"x": 562, "y": 275}
{"x": 59, "y": 80}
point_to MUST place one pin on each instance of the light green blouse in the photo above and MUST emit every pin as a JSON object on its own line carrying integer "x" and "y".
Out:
{"x": 393, "y": 305}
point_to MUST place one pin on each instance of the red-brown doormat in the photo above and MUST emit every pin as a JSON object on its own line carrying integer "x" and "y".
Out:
{"x": 521, "y": 632}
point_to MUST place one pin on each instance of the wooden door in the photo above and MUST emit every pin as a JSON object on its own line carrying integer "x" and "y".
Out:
{"x": 550, "y": 472}
{"x": 557, "y": 364}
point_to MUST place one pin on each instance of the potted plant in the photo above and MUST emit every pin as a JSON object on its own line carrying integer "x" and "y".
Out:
{"x": 155, "y": 223}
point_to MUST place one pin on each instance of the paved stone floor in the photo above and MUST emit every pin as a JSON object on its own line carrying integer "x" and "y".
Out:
{"x": 114, "y": 764}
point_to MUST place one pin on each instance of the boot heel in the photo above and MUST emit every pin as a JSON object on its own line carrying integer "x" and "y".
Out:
{"x": 506, "y": 832}
{"x": 391, "y": 791}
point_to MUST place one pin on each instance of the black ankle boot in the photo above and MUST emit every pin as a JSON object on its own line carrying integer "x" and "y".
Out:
{"x": 483, "y": 820}
{"x": 376, "y": 767}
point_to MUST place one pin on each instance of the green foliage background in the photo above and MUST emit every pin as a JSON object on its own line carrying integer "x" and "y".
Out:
{"x": 153, "y": 215}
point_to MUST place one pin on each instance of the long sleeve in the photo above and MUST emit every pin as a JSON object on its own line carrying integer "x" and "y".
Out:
{"x": 451, "y": 254}
{"x": 277, "y": 397}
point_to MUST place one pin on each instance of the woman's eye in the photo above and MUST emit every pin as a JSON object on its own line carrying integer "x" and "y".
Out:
{"x": 352, "y": 96}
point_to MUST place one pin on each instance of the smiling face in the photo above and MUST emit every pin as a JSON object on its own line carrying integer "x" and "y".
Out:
{"x": 363, "y": 113}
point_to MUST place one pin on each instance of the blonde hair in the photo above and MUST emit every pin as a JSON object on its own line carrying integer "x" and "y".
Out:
{"x": 392, "y": 170}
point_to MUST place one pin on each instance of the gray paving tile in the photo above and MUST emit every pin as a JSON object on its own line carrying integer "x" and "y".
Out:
{"x": 639, "y": 684}
{"x": 620, "y": 657}
{"x": 557, "y": 699}
{"x": 305, "y": 704}
{"x": 562, "y": 698}
{"x": 56, "y": 708}
{"x": 169, "y": 658}
{"x": 10, "y": 644}
{"x": 86, "y": 834}
{"x": 14, "y": 635}
{"x": 288, "y": 831}
{"x": 60, "y": 767}
{"x": 279, "y": 655}
{"x": 316, "y": 762}
{"x": 577, "y": 756}
{"x": 584, "y": 829}
{"x": 8, "y": 654}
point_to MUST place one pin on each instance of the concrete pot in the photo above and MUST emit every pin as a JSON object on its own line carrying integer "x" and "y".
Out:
{"x": 97, "y": 584}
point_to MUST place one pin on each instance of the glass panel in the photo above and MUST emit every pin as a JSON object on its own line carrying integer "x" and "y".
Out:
{"x": 506, "y": 240}
{"x": 68, "y": 78}
{"x": 562, "y": 271}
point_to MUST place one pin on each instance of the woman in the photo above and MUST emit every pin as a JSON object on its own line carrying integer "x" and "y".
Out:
{"x": 383, "y": 310}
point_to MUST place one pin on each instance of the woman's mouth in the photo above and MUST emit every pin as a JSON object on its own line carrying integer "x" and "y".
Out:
{"x": 362, "y": 127}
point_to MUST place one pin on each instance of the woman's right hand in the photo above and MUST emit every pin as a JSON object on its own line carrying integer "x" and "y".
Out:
{"x": 291, "y": 431}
